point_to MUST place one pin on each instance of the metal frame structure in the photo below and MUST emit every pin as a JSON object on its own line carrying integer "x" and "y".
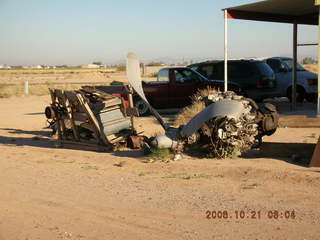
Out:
{"x": 91, "y": 117}
{"x": 281, "y": 11}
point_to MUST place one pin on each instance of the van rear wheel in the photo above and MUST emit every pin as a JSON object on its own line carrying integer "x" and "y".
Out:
{"x": 300, "y": 94}
{"x": 311, "y": 98}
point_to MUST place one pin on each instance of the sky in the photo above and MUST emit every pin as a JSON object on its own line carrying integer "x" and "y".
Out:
{"x": 79, "y": 32}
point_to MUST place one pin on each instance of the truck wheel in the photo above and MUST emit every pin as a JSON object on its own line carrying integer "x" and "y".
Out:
{"x": 300, "y": 95}
{"x": 141, "y": 107}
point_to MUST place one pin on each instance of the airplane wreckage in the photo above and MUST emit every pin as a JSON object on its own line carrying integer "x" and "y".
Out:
{"x": 94, "y": 116}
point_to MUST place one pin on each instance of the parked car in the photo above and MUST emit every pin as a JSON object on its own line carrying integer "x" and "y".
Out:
{"x": 174, "y": 88}
{"x": 256, "y": 78}
{"x": 306, "y": 81}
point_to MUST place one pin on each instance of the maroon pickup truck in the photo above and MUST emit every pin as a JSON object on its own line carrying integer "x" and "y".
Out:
{"x": 174, "y": 87}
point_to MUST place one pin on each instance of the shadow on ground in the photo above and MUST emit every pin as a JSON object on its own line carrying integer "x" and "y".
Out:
{"x": 35, "y": 113}
{"x": 294, "y": 153}
{"x": 43, "y": 139}
{"x": 27, "y": 141}
{"x": 20, "y": 131}
{"x": 129, "y": 153}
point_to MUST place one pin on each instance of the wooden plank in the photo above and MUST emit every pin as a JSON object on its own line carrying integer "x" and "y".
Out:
{"x": 93, "y": 119}
{"x": 67, "y": 105}
{"x": 111, "y": 89}
{"x": 97, "y": 93}
{"x": 85, "y": 144}
{"x": 112, "y": 102}
{"x": 71, "y": 102}
{"x": 108, "y": 109}
{"x": 114, "y": 139}
{"x": 70, "y": 115}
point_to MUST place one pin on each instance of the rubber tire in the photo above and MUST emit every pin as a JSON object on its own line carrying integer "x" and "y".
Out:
{"x": 311, "y": 99}
{"x": 301, "y": 94}
{"x": 141, "y": 107}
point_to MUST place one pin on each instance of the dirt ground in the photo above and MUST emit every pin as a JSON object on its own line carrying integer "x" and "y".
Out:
{"x": 52, "y": 193}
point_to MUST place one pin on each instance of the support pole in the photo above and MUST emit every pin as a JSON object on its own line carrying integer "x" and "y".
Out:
{"x": 225, "y": 50}
{"x": 294, "y": 67}
{"x": 318, "y": 106}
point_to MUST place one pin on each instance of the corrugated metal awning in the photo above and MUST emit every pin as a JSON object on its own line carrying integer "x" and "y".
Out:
{"x": 284, "y": 11}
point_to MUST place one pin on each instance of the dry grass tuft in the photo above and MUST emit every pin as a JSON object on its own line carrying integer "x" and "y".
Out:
{"x": 203, "y": 93}
{"x": 189, "y": 112}
{"x": 197, "y": 106}
{"x": 7, "y": 91}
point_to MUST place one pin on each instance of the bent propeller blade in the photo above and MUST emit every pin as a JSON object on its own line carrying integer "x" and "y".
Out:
{"x": 134, "y": 78}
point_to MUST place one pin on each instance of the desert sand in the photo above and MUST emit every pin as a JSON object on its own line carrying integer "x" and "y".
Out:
{"x": 55, "y": 193}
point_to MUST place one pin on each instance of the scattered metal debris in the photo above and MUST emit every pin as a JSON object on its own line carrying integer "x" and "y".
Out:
{"x": 229, "y": 124}
{"x": 91, "y": 117}
{"x": 224, "y": 124}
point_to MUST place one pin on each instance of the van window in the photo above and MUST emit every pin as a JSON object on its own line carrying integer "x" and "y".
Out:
{"x": 264, "y": 69}
{"x": 237, "y": 70}
{"x": 289, "y": 64}
{"x": 207, "y": 70}
{"x": 274, "y": 64}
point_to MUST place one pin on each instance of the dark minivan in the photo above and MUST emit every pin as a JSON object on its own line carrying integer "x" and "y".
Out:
{"x": 256, "y": 78}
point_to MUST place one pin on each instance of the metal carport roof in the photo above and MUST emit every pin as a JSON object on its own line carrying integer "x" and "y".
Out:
{"x": 283, "y": 11}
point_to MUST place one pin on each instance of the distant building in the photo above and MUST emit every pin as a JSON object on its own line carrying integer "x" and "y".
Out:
{"x": 92, "y": 66}
{"x": 37, "y": 67}
{"x": 16, "y": 67}
{"x": 48, "y": 67}
{"x": 5, "y": 66}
